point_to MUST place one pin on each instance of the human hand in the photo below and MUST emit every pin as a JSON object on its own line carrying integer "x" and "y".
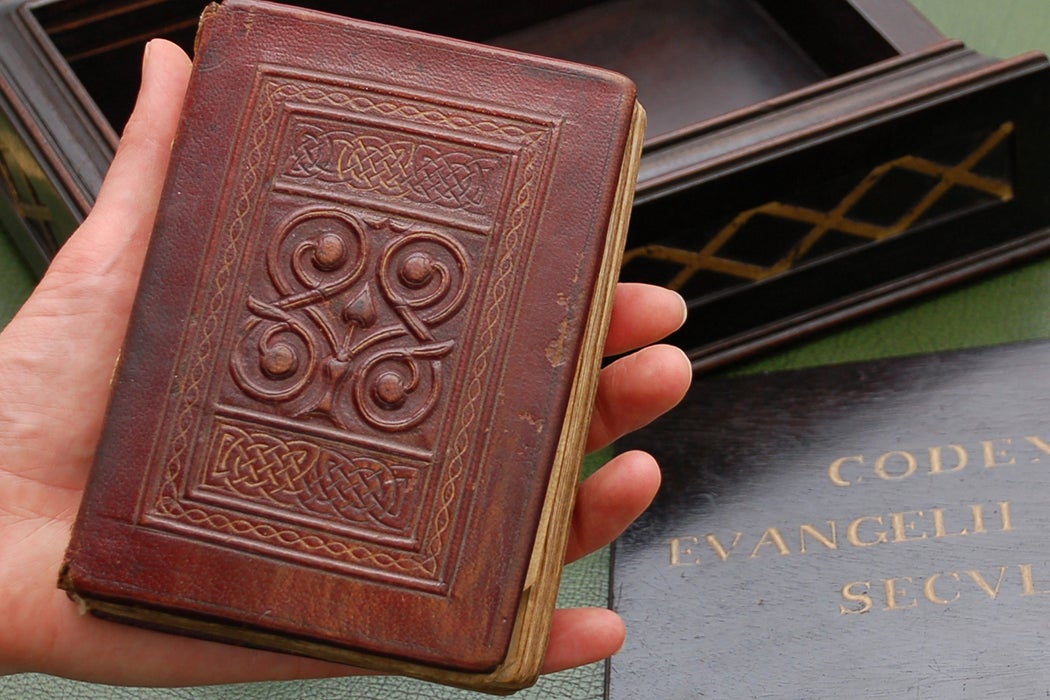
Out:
{"x": 56, "y": 358}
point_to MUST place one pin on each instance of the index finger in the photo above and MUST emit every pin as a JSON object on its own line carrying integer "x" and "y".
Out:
{"x": 642, "y": 314}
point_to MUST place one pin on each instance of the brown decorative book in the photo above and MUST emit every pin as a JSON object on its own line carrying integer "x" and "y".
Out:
{"x": 351, "y": 407}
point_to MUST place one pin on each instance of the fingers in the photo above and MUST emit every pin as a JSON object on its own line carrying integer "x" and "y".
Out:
{"x": 610, "y": 500}
{"x": 642, "y": 314}
{"x": 637, "y": 388}
{"x": 581, "y": 636}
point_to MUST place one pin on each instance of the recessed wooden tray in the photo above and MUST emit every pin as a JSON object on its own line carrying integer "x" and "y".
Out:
{"x": 806, "y": 161}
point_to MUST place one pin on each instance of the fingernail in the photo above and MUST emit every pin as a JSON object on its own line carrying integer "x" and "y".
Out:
{"x": 685, "y": 308}
{"x": 145, "y": 55}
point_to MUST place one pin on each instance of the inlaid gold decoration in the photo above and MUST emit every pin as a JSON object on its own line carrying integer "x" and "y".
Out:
{"x": 28, "y": 194}
{"x": 20, "y": 189}
{"x": 960, "y": 175}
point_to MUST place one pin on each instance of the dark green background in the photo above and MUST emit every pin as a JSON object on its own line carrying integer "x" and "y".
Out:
{"x": 1006, "y": 307}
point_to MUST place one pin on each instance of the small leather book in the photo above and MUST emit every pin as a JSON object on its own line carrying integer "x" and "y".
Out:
{"x": 353, "y": 399}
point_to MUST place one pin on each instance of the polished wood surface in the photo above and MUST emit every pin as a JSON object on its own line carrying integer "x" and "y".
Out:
{"x": 691, "y": 60}
{"x": 1007, "y": 307}
{"x": 753, "y": 107}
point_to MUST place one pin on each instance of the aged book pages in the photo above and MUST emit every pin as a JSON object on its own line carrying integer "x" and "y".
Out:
{"x": 877, "y": 529}
{"x": 353, "y": 399}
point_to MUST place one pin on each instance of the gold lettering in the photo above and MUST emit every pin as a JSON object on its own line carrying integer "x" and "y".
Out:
{"x": 854, "y": 538}
{"x": 773, "y": 537}
{"x": 900, "y": 528}
{"x": 937, "y": 461}
{"x": 835, "y": 470}
{"x": 938, "y": 525}
{"x": 829, "y": 542}
{"x": 978, "y": 578}
{"x": 929, "y": 590}
{"x": 1038, "y": 442}
{"x": 978, "y": 518}
{"x": 1028, "y": 581}
{"x": 721, "y": 551}
{"x": 909, "y": 461}
{"x": 1004, "y": 516}
{"x": 863, "y": 531}
{"x": 993, "y": 455}
{"x": 892, "y": 593}
{"x": 677, "y": 550}
{"x": 855, "y": 596}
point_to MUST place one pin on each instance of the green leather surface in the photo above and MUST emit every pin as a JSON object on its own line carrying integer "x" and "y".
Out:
{"x": 1007, "y": 307}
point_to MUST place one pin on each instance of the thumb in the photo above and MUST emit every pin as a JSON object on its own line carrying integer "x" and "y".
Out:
{"x": 57, "y": 353}
{"x": 98, "y": 268}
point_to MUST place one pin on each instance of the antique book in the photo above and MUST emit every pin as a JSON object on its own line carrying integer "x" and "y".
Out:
{"x": 877, "y": 529}
{"x": 352, "y": 403}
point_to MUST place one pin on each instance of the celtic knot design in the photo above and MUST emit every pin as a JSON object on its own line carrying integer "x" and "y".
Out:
{"x": 264, "y": 468}
{"x": 392, "y": 167}
{"x": 258, "y": 464}
{"x": 364, "y": 489}
{"x": 346, "y": 332}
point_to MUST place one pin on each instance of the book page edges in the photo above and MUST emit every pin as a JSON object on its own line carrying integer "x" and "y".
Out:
{"x": 528, "y": 642}
{"x": 540, "y": 593}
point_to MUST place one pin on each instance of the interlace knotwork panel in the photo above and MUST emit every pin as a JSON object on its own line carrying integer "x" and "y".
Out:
{"x": 310, "y": 478}
{"x": 394, "y": 167}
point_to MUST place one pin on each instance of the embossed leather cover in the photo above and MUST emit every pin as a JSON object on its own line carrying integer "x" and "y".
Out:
{"x": 351, "y": 406}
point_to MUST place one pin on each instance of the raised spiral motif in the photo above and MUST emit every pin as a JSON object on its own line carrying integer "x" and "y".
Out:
{"x": 335, "y": 340}
{"x": 316, "y": 253}
{"x": 399, "y": 387}
{"x": 276, "y": 358}
{"x": 319, "y": 250}
{"x": 425, "y": 273}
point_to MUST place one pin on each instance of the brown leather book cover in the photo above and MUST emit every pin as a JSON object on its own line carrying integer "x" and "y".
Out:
{"x": 353, "y": 397}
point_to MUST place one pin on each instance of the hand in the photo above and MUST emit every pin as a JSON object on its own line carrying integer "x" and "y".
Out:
{"x": 56, "y": 357}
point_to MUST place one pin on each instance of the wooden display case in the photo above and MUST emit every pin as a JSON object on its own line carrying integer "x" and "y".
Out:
{"x": 806, "y": 162}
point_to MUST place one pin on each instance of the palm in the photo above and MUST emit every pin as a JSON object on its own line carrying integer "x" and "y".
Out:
{"x": 56, "y": 358}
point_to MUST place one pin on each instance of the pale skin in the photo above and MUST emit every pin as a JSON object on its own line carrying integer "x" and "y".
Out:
{"x": 56, "y": 357}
